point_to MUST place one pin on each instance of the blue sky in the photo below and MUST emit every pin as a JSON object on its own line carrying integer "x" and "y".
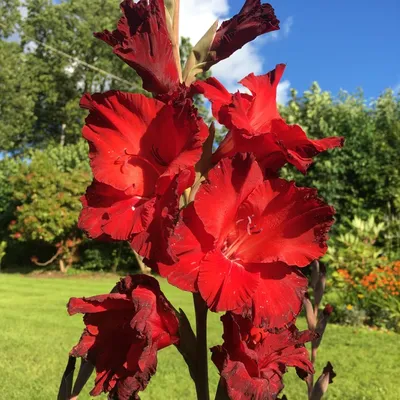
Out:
{"x": 341, "y": 44}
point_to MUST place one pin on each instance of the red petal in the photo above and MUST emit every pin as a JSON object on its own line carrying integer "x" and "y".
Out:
{"x": 181, "y": 146}
{"x": 133, "y": 219}
{"x": 215, "y": 92}
{"x": 115, "y": 129}
{"x": 138, "y": 145}
{"x": 263, "y": 108}
{"x": 236, "y": 116}
{"x": 122, "y": 341}
{"x": 254, "y": 19}
{"x": 224, "y": 284}
{"x": 254, "y": 369}
{"x": 279, "y": 296}
{"x": 289, "y": 143}
{"x": 128, "y": 387}
{"x": 86, "y": 342}
{"x": 252, "y": 115}
{"x": 143, "y": 290}
{"x": 291, "y": 223}
{"x": 186, "y": 246}
{"x": 228, "y": 185}
{"x": 241, "y": 386}
{"x": 153, "y": 243}
{"x": 96, "y": 304}
{"x": 134, "y": 140}
{"x": 100, "y": 382}
{"x": 110, "y": 211}
{"x": 286, "y": 348}
{"x": 256, "y": 126}
{"x": 142, "y": 41}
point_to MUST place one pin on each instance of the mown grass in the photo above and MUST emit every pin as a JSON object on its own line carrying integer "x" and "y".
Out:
{"x": 36, "y": 334}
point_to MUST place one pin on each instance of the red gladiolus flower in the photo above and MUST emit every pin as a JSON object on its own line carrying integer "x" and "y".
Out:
{"x": 123, "y": 332}
{"x": 256, "y": 125}
{"x": 254, "y": 19}
{"x": 240, "y": 242}
{"x": 252, "y": 362}
{"x": 143, "y": 42}
{"x": 138, "y": 147}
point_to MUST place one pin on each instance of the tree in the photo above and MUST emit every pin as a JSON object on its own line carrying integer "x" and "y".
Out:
{"x": 364, "y": 176}
{"x": 58, "y": 60}
{"x": 18, "y": 96}
{"x": 9, "y": 167}
{"x": 70, "y": 61}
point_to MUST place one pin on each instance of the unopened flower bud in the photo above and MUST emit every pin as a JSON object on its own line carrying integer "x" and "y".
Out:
{"x": 310, "y": 316}
{"x": 321, "y": 325}
{"x": 328, "y": 310}
{"x": 323, "y": 382}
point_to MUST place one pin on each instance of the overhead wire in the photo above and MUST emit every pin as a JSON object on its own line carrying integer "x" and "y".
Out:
{"x": 78, "y": 61}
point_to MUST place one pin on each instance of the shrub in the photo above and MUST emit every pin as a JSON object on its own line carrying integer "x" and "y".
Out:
{"x": 3, "y": 246}
{"x": 46, "y": 191}
{"x": 354, "y": 249}
{"x": 97, "y": 256}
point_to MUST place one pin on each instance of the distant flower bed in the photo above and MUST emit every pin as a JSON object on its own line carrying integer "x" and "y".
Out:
{"x": 372, "y": 299}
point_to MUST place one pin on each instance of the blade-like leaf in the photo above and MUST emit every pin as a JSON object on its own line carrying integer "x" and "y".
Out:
{"x": 187, "y": 343}
{"x": 222, "y": 393}
{"x": 65, "y": 390}
{"x": 196, "y": 62}
{"x": 85, "y": 371}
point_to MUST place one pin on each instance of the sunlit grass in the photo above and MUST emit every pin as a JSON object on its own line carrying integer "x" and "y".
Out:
{"x": 36, "y": 335}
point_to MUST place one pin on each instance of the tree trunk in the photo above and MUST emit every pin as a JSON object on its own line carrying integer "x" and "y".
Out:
{"x": 143, "y": 268}
{"x": 63, "y": 268}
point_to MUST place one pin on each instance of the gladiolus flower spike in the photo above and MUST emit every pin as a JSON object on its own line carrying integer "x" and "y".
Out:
{"x": 217, "y": 221}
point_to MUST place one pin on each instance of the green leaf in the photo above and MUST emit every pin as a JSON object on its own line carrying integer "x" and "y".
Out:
{"x": 196, "y": 62}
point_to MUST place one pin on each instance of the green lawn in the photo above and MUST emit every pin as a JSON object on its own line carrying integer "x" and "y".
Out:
{"x": 36, "y": 335}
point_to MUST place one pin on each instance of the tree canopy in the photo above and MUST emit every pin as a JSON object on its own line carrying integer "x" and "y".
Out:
{"x": 364, "y": 176}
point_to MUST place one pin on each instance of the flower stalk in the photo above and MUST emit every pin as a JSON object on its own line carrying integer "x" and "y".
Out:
{"x": 176, "y": 37}
{"x": 210, "y": 221}
{"x": 201, "y": 381}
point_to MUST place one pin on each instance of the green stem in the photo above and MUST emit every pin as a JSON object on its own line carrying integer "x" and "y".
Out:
{"x": 201, "y": 309}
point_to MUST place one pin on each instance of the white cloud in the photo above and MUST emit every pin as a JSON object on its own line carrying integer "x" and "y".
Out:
{"x": 286, "y": 27}
{"x": 396, "y": 88}
{"x": 238, "y": 65}
{"x": 196, "y": 17}
{"x": 283, "y": 92}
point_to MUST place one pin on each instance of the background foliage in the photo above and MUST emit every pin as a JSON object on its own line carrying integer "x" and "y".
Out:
{"x": 49, "y": 58}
